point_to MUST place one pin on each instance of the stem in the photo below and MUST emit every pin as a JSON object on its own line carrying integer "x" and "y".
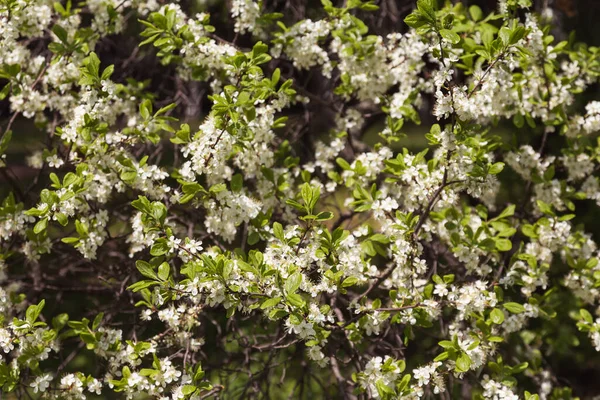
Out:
{"x": 487, "y": 71}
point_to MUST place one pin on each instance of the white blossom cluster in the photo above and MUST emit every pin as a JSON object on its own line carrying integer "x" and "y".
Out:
{"x": 254, "y": 231}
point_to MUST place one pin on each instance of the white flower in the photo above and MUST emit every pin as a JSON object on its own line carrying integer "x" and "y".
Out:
{"x": 173, "y": 244}
{"x": 54, "y": 161}
{"x": 41, "y": 383}
{"x": 95, "y": 386}
{"x": 71, "y": 384}
{"x": 497, "y": 391}
{"x": 425, "y": 374}
{"x": 146, "y": 314}
{"x": 304, "y": 329}
{"x": 135, "y": 379}
{"x": 6, "y": 340}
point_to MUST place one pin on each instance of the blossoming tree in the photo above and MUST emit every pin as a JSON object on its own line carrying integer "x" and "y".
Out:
{"x": 237, "y": 211}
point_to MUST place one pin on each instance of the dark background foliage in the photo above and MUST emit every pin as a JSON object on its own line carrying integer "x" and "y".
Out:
{"x": 75, "y": 287}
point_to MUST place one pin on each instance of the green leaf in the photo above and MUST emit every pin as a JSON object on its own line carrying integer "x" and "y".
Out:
{"x": 142, "y": 204}
{"x": 140, "y": 285}
{"x": 128, "y": 176}
{"x": 270, "y": 303}
{"x": 343, "y": 163}
{"x": 442, "y": 356}
{"x": 3, "y": 93}
{"x": 5, "y": 141}
{"x": 529, "y": 230}
{"x": 145, "y": 109}
{"x": 549, "y": 174}
{"x": 164, "y": 270}
{"x": 518, "y": 120}
{"x": 514, "y": 308}
{"x": 350, "y": 281}
{"x": 93, "y": 64}
{"x": 324, "y": 216}
{"x": 530, "y": 121}
{"x": 463, "y": 362}
{"x": 450, "y": 36}
{"x": 171, "y": 16}
{"x": 295, "y": 204}
{"x": 517, "y": 369}
{"x": 33, "y": 311}
{"x": 587, "y": 317}
{"x": 504, "y": 35}
{"x": 545, "y": 208}
{"x": 295, "y": 300}
{"x": 237, "y": 183}
{"x": 188, "y": 389}
{"x": 503, "y": 244}
{"x": 60, "y": 321}
{"x": 508, "y": 212}
{"x": 40, "y": 226}
{"x": 518, "y": 33}
{"x": 61, "y": 33}
{"x": 475, "y": 13}
{"x": 107, "y": 73}
{"x": 219, "y": 187}
{"x": 97, "y": 321}
{"x": 293, "y": 282}
{"x": 307, "y": 195}
{"x": 159, "y": 248}
{"x": 383, "y": 390}
{"x": 145, "y": 269}
{"x": 258, "y": 49}
{"x": 62, "y": 219}
{"x": 496, "y": 168}
{"x": 497, "y": 316}
{"x": 275, "y": 77}
{"x": 278, "y": 231}
{"x": 415, "y": 20}
{"x": 427, "y": 9}
{"x": 404, "y": 382}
